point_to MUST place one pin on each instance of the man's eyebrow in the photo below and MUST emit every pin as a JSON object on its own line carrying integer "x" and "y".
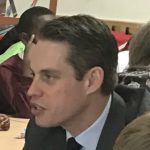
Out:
{"x": 50, "y": 71}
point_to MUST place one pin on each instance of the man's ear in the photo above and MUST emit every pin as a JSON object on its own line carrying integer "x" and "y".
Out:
{"x": 24, "y": 37}
{"x": 94, "y": 79}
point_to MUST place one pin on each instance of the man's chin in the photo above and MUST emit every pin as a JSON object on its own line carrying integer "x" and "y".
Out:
{"x": 40, "y": 123}
{"x": 43, "y": 123}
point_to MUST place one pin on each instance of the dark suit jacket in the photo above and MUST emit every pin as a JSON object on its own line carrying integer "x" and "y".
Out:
{"x": 55, "y": 138}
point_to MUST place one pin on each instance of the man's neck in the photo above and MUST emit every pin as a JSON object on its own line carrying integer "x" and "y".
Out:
{"x": 86, "y": 117}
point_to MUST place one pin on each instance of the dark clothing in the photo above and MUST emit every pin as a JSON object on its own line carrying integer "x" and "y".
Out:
{"x": 122, "y": 111}
{"x": 13, "y": 89}
{"x": 138, "y": 76}
{"x": 9, "y": 39}
{"x": 137, "y": 100}
{"x": 48, "y": 138}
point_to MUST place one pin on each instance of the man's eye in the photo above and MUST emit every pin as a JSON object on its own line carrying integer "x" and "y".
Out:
{"x": 48, "y": 77}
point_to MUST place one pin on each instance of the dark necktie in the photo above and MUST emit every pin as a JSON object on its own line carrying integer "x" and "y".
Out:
{"x": 73, "y": 145}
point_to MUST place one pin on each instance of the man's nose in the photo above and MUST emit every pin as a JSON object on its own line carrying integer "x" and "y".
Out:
{"x": 34, "y": 88}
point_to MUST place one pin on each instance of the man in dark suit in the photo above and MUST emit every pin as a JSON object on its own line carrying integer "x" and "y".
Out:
{"x": 73, "y": 65}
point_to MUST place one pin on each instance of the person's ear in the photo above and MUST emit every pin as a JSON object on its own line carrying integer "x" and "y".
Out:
{"x": 24, "y": 37}
{"x": 94, "y": 79}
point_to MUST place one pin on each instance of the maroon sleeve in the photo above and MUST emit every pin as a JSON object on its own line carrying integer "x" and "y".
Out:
{"x": 11, "y": 87}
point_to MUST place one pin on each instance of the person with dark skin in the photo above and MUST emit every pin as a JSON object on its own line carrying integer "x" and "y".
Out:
{"x": 13, "y": 97}
{"x": 25, "y": 25}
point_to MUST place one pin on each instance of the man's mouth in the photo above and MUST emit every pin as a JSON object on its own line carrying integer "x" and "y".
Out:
{"x": 36, "y": 109}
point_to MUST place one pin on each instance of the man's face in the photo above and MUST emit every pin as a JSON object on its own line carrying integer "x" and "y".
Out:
{"x": 57, "y": 98}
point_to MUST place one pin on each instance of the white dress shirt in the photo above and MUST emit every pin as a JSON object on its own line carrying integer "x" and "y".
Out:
{"x": 89, "y": 138}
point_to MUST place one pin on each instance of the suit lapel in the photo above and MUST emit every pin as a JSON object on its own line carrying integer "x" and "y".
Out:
{"x": 56, "y": 139}
{"x": 114, "y": 123}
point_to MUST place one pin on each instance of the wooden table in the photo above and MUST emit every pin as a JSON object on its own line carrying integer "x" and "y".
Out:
{"x": 8, "y": 139}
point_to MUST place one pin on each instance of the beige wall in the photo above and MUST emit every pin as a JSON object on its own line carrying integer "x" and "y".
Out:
{"x": 22, "y": 5}
{"x": 130, "y": 10}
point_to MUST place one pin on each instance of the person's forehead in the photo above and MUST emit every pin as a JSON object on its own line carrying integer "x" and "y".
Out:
{"x": 48, "y": 50}
{"x": 46, "y": 55}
